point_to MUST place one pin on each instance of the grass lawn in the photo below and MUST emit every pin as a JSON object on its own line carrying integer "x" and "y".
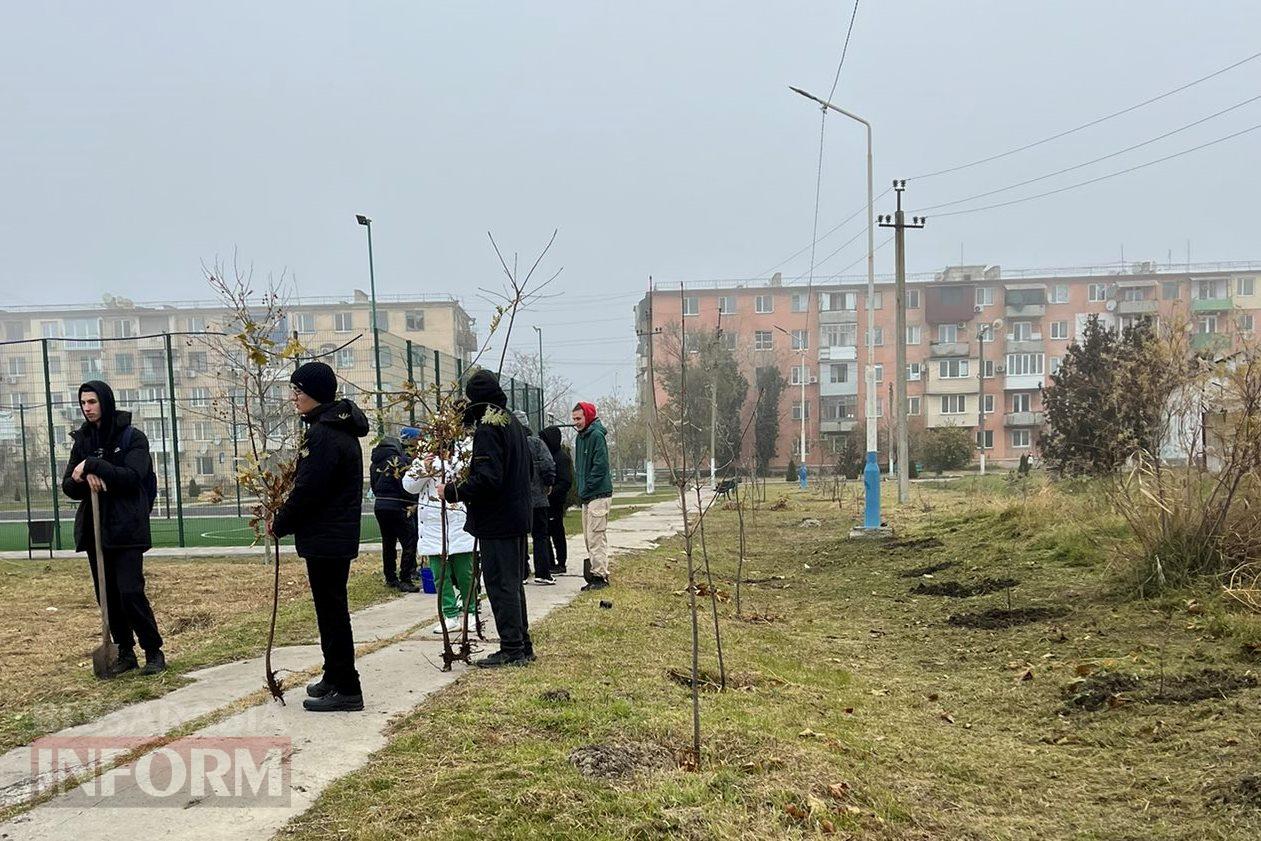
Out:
{"x": 209, "y": 610}
{"x": 854, "y": 705}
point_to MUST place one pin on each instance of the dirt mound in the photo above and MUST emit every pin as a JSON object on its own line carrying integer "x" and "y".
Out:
{"x": 957, "y": 590}
{"x": 1113, "y": 689}
{"x": 1105, "y": 689}
{"x": 920, "y": 572}
{"x": 622, "y": 759}
{"x": 914, "y": 543}
{"x": 1246, "y": 791}
{"x": 1187, "y": 689}
{"x": 711, "y": 681}
{"x": 555, "y": 696}
{"x": 999, "y": 618}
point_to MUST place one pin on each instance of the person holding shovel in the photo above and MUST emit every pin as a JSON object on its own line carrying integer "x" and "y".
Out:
{"x": 110, "y": 458}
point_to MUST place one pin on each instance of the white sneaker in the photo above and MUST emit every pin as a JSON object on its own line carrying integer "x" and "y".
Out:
{"x": 452, "y": 623}
{"x": 549, "y": 581}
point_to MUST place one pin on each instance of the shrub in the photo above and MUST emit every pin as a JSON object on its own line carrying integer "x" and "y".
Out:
{"x": 947, "y": 448}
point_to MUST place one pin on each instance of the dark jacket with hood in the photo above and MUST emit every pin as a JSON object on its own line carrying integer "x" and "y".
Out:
{"x": 124, "y": 503}
{"x": 591, "y": 458}
{"x": 497, "y": 488}
{"x": 542, "y": 467}
{"x": 389, "y": 463}
{"x": 557, "y": 499}
{"x": 323, "y": 509}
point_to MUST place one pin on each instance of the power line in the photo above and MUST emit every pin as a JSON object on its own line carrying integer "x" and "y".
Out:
{"x": 844, "y": 49}
{"x": 1095, "y": 160}
{"x": 1087, "y": 125}
{"x": 1102, "y": 177}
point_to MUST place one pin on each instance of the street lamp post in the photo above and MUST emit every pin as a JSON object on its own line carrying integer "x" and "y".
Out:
{"x": 542, "y": 393}
{"x": 871, "y": 472}
{"x": 376, "y": 336}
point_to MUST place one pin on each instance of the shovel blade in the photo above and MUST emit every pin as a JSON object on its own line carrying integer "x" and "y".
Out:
{"x": 104, "y": 659}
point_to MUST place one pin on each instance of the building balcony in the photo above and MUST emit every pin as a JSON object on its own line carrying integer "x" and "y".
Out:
{"x": 838, "y": 353}
{"x": 1025, "y": 310}
{"x": 838, "y": 317}
{"x": 1210, "y": 304}
{"x": 831, "y": 389}
{"x": 1024, "y": 382}
{"x": 835, "y": 426}
{"x": 951, "y": 385}
{"x": 948, "y": 348}
{"x": 936, "y": 420}
{"x": 1023, "y": 419}
{"x": 1214, "y": 342}
{"x": 153, "y": 376}
{"x": 1136, "y": 307}
{"x": 1033, "y": 344}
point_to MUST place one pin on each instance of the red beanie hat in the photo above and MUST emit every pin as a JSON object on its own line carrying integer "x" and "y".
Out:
{"x": 588, "y": 412}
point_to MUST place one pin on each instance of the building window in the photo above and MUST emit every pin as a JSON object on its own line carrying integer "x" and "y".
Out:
{"x": 54, "y": 364}
{"x": 879, "y": 406}
{"x": 985, "y": 296}
{"x": 86, "y": 329}
{"x": 1169, "y": 290}
{"x": 985, "y": 439}
{"x": 17, "y": 366}
{"x": 989, "y": 404}
{"x": 763, "y": 340}
{"x": 947, "y": 332}
{"x": 912, "y": 405}
{"x": 727, "y": 340}
{"x": 800, "y": 340}
{"x": 800, "y": 374}
{"x": 797, "y": 404}
{"x": 1096, "y": 292}
{"x": 764, "y": 303}
{"x": 987, "y": 370}
{"x": 835, "y": 301}
{"x": 127, "y": 396}
{"x": 1207, "y": 324}
{"x": 90, "y": 367}
{"x": 912, "y": 299}
{"x": 196, "y": 324}
{"x": 838, "y": 372}
{"x": 799, "y": 301}
{"x": 343, "y": 322}
{"x": 205, "y": 466}
{"x": 954, "y": 404}
{"x": 1020, "y": 439}
{"x": 1244, "y": 324}
{"x": 197, "y": 361}
{"x": 346, "y": 358}
{"x": 201, "y": 431}
{"x": 912, "y": 371}
{"x": 1019, "y": 364}
{"x": 838, "y": 335}
{"x": 200, "y": 396}
{"x": 879, "y": 340}
{"x": 153, "y": 393}
{"x": 1059, "y": 330}
{"x": 914, "y": 334}
{"x": 414, "y": 320}
{"x": 1212, "y": 290}
{"x": 50, "y": 329}
{"x": 124, "y": 328}
{"x": 878, "y": 301}
{"x": 1059, "y": 293}
{"x": 727, "y": 305}
{"x": 1244, "y": 285}
{"x": 952, "y": 369}
{"x": 1053, "y": 364}
{"x": 1022, "y": 331}
{"x": 1020, "y": 402}
{"x": 878, "y": 373}
{"x": 303, "y": 322}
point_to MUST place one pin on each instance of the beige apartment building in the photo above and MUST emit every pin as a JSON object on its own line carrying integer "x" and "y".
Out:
{"x": 121, "y": 342}
{"x": 1027, "y": 320}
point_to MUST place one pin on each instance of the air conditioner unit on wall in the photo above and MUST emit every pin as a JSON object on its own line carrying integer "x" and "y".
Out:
{"x": 1000, "y": 369}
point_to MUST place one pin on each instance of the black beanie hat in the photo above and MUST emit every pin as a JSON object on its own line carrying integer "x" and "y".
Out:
{"x": 317, "y": 381}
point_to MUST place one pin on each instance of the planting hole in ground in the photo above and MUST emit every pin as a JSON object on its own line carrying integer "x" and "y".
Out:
{"x": 1113, "y": 689}
{"x": 622, "y": 759}
{"x": 919, "y": 572}
{"x": 959, "y": 590}
{"x": 1000, "y": 618}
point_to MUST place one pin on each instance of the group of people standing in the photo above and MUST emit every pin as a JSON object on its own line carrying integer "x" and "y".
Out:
{"x": 489, "y": 494}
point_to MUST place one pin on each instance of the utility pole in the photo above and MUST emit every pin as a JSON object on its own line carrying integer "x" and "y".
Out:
{"x": 542, "y": 392}
{"x": 713, "y": 412}
{"x": 982, "y": 329}
{"x": 899, "y": 224}
{"x": 646, "y": 400}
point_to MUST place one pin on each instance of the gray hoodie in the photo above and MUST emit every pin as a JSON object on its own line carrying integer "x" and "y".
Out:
{"x": 543, "y": 469}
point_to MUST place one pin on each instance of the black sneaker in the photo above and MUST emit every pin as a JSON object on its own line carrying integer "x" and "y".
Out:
{"x": 320, "y": 688}
{"x": 596, "y": 583}
{"x": 405, "y": 586}
{"x": 500, "y": 659}
{"x": 560, "y": 570}
{"x": 126, "y": 663}
{"x": 334, "y": 702}
{"x": 154, "y": 663}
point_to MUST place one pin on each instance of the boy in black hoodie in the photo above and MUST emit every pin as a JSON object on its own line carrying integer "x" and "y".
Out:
{"x": 558, "y": 499}
{"x": 322, "y": 513}
{"x": 496, "y": 492}
{"x": 391, "y": 506}
{"x": 112, "y": 457}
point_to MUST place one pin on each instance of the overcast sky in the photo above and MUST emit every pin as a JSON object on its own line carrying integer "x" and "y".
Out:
{"x": 141, "y": 138}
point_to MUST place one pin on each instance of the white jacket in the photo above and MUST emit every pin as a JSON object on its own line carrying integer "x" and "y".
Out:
{"x": 422, "y": 479}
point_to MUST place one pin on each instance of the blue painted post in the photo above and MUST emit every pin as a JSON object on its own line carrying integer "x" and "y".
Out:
{"x": 871, "y": 482}
{"x": 802, "y": 476}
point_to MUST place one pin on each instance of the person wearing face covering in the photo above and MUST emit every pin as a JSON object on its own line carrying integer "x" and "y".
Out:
{"x": 111, "y": 456}
{"x": 496, "y": 494}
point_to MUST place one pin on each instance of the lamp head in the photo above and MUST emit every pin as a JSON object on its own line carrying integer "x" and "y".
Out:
{"x": 362, "y": 220}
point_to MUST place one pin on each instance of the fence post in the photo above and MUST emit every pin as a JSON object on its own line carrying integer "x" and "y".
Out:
{"x": 236, "y": 458}
{"x": 411, "y": 378}
{"x": 26, "y": 475}
{"x": 52, "y": 446}
{"x": 437, "y": 368}
{"x": 459, "y": 372}
{"x": 166, "y": 459}
{"x": 512, "y": 393}
{"x": 175, "y": 439}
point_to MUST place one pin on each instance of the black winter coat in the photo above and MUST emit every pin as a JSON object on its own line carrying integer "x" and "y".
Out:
{"x": 557, "y": 500}
{"x": 324, "y": 508}
{"x": 124, "y": 503}
{"x": 389, "y": 463}
{"x": 497, "y": 488}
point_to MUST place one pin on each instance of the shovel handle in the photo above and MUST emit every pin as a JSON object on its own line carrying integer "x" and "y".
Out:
{"x": 100, "y": 567}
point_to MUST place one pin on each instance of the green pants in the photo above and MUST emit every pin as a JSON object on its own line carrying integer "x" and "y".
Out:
{"x": 458, "y": 574}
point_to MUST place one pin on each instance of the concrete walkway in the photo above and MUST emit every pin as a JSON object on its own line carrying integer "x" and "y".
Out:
{"x": 318, "y": 748}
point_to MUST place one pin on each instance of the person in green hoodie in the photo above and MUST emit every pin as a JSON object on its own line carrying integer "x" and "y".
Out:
{"x": 595, "y": 490}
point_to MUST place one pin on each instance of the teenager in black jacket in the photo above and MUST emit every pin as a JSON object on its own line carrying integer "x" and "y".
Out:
{"x": 113, "y": 457}
{"x": 394, "y": 509}
{"x": 558, "y": 499}
{"x": 323, "y": 514}
{"x": 496, "y": 492}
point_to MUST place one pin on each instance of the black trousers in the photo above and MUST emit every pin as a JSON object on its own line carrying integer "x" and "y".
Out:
{"x": 501, "y": 570}
{"x": 328, "y": 577}
{"x": 540, "y": 535}
{"x": 130, "y": 614}
{"x": 397, "y": 527}
{"x": 556, "y": 528}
